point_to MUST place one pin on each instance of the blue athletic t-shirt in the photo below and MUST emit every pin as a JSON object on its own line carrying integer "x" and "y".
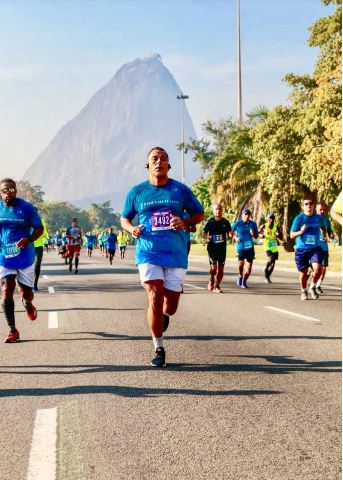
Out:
{"x": 243, "y": 232}
{"x": 17, "y": 222}
{"x": 158, "y": 243}
{"x": 91, "y": 239}
{"x": 110, "y": 241}
{"x": 310, "y": 238}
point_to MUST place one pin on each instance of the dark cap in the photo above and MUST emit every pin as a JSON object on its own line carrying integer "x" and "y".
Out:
{"x": 246, "y": 210}
{"x": 74, "y": 219}
{"x": 271, "y": 215}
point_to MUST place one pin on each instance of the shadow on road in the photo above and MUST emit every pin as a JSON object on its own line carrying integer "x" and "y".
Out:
{"x": 280, "y": 366}
{"x": 127, "y": 391}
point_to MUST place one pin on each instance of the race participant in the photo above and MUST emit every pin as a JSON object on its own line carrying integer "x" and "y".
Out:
{"x": 110, "y": 244}
{"x": 90, "y": 242}
{"x": 245, "y": 231}
{"x": 123, "y": 241}
{"x": 46, "y": 242}
{"x": 216, "y": 232}
{"x": 321, "y": 210}
{"x": 58, "y": 241}
{"x": 63, "y": 248}
{"x": 161, "y": 251}
{"x": 187, "y": 231}
{"x": 20, "y": 226}
{"x": 271, "y": 233}
{"x": 38, "y": 244}
{"x": 306, "y": 232}
{"x": 101, "y": 243}
{"x": 336, "y": 210}
{"x": 74, "y": 235}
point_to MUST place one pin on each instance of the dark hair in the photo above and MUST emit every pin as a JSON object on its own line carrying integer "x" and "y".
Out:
{"x": 8, "y": 180}
{"x": 158, "y": 148}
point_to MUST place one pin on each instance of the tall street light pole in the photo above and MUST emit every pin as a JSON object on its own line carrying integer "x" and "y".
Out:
{"x": 182, "y": 97}
{"x": 239, "y": 66}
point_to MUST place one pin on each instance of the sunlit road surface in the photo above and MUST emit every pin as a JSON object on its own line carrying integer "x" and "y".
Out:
{"x": 251, "y": 390}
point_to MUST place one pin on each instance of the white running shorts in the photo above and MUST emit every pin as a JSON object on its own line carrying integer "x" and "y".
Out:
{"x": 172, "y": 277}
{"x": 26, "y": 276}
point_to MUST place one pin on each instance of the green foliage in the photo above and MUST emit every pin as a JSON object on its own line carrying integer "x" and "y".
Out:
{"x": 58, "y": 216}
{"x": 318, "y": 100}
{"x": 32, "y": 194}
{"x": 101, "y": 215}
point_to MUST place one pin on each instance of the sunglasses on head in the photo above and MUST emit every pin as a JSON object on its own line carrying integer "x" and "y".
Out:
{"x": 8, "y": 190}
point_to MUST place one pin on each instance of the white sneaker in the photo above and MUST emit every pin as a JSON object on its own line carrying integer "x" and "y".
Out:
{"x": 313, "y": 293}
{"x": 304, "y": 295}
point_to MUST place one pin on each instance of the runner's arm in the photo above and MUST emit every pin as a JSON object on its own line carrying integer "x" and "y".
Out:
{"x": 128, "y": 226}
{"x": 24, "y": 242}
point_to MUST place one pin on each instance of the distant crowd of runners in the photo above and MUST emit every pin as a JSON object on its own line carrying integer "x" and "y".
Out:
{"x": 167, "y": 211}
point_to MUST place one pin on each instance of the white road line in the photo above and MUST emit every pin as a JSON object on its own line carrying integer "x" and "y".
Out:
{"x": 42, "y": 462}
{"x": 194, "y": 286}
{"x": 293, "y": 314}
{"x": 45, "y": 276}
{"x": 331, "y": 288}
{"x": 51, "y": 289}
{"x": 53, "y": 320}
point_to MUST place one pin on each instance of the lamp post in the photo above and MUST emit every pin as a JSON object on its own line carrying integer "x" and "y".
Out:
{"x": 239, "y": 67}
{"x": 182, "y": 97}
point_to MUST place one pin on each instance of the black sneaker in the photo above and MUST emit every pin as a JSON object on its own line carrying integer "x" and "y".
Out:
{"x": 159, "y": 359}
{"x": 319, "y": 289}
{"x": 76, "y": 270}
{"x": 165, "y": 322}
{"x": 70, "y": 267}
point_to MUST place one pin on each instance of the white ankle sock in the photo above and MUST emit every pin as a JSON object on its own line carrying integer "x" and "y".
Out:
{"x": 319, "y": 282}
{"x": 158, "y": 342}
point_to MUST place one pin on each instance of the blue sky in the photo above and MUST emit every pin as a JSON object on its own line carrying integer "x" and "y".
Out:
{"x": 54, "y": 55}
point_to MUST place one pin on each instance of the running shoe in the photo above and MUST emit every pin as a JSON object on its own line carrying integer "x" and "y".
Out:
{"x": 76, "y": 270}
{"x": 244, "y": 284}
{"x": 12, "y": 337}
{"x": 267, "y": 279}
{"x": 319, "y": 289}
{"x": 210, "y": 286}
{"x": 31, "y": 310}
{"x": 159, "y": 359}
{"x": 217, "y": 289}
{"x": 35, "y": 289}
{"x": 165, "y": 322}
{"x": 313, "y": 293}
{"x": 304, "y": 295}
{"x": 239, "y": 281}
{"x": 70, "y": 268}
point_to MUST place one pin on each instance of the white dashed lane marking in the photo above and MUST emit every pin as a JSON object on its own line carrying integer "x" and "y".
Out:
{"x": 193, "y": 286}
{"x": 42, "y": 462}
{"x": 293, "y": 314}
{"x": 53, "y": 320}
{"x": 51, "y": 289}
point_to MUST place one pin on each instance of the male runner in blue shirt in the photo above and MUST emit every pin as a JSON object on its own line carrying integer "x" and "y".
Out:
{"x": 161, "y": 252}
{"x": 246, "y": 230}
{"x": 20, "y": 226}
{"x": 306, "y": 230}
{"x": 110, "y": 244}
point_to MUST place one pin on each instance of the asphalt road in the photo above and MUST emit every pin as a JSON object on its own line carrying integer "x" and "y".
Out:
{"x": 250, "y": 392}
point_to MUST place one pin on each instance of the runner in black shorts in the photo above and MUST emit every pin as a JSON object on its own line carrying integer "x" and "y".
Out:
{"x": 216, "y": 231}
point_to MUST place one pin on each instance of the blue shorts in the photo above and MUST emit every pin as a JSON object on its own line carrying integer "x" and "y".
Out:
{"x": 305, "y": 257}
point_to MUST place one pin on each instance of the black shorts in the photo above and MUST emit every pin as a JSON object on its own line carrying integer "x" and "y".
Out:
{"x": 248, "y": 255}
{"x": 110, "y": 251}
{"x": 217, "y": 255}
{"x": 325, "y": 258}
{"x": 273, "y": 255}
